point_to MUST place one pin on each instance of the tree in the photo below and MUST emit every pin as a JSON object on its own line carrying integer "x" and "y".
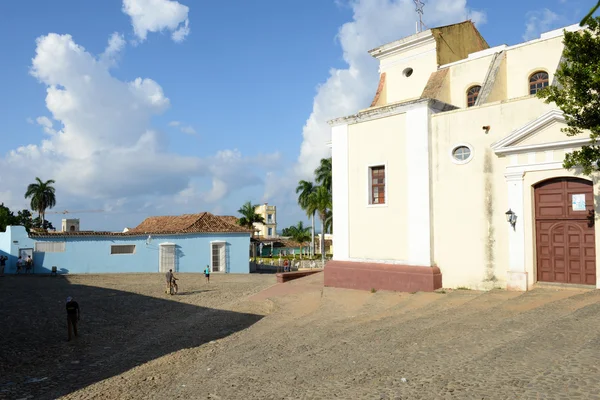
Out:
{"x": 329, "y": 221}
{"x": 578, "y": 94}
{"x": 7, "y": 218}
{"x": 42, "y": 196}
{"x": 305, "y": 189}
{"x": 299, "y": 233}
{"x": 249, "y": 216}
{"x": 321, "y": 200}
{"x": 323, "y": 175}
{"x": 588, "y": 17}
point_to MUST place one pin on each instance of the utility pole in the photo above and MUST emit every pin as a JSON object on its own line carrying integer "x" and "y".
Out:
{"x": 419, "y": 9}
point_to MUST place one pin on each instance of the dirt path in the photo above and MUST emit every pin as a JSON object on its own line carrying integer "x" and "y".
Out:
{"x": 318, "y": 343}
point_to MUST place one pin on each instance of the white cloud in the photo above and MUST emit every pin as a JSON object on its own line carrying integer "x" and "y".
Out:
{"x": 183, "y": 128}
{"x": 539, "y": 22}
{"x": 156, "y": 16}
{"x": 46, "y": 124}
{"x": 188, "y": 129}
{"x": 101, "y": 148}
{"x": 116, "y": 43}
{"x": 347, "y": 90}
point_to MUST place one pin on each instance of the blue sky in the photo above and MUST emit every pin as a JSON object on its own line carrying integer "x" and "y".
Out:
{"x": 231, "y": 107}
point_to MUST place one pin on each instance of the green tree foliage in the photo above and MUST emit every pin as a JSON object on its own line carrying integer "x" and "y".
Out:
{"x": 299, "y": 233}
{"x": 578, "y": 94}
{"x": 22, "y": 218}
{"x": 249, "y": 216}
{"x": 42, "y": 195}
{"x": 588, "y": 17}
{"x": 323, "y": 174}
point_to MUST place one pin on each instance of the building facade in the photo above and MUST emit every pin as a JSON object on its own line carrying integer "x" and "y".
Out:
{"x": 186, "y": 243}
{"x": 453, "y": 177}
{"x": 269, "y": 214}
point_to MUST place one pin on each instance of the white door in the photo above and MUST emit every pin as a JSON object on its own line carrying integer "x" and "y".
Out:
{"x": 218, "y": 257}
{"x": 166, "y": 258}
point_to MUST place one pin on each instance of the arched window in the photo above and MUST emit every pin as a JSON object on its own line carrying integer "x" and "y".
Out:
{"x": 537, "y": 81}
{"x": 472, "y": 94}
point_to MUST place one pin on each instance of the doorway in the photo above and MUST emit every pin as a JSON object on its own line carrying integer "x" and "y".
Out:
{"x": 167, "y": 257}
{"x": 565, "y": 231}
{"x": 218, "y": 256}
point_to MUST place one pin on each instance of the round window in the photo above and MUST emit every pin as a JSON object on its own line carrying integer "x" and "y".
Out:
{"x": 407, "y": 72}
{"x": 461, "y": 154}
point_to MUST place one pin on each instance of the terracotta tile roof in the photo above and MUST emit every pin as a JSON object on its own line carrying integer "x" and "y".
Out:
{"x": 379, "y": 89}
{"x": 230, "y": 219}
{"x": 166, "y": 225}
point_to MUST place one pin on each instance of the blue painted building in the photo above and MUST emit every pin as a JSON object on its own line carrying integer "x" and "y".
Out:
{"x": 186, "y": 243}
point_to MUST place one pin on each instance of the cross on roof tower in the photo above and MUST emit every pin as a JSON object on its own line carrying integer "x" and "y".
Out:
{"x": 419, "y": 4}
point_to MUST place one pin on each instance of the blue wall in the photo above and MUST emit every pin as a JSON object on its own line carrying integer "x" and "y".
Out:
{"x": 91, "y": 254}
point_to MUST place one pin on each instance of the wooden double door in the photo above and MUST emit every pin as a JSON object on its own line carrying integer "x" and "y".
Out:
{"x": 565, "y": 233}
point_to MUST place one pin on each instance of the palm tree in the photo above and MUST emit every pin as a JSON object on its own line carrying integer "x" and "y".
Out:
{"x": 42, "y": 197}
{"x": 589, "y": 15}
{"x": 321, "y": 200}
{"x": 249, "y": 216}
{"x": 323, "y": 173}
{"x": 329, "y": 221}
{"x": 299, "y": 233}
{"x": 305, "y": 189}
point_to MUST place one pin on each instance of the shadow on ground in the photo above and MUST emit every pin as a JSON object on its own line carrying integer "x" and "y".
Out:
{"x": 118, "y": 331}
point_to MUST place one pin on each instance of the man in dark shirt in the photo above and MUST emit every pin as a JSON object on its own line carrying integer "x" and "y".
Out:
{"x": 72, "y": 316}
{"x": 169, "y": 277}
{"x": 2, "y": 264}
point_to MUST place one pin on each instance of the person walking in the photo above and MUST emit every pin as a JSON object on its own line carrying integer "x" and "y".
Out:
{"x": 169, "y": 279}
{"x": 73, "y": 316}
{"x": 19, "y": 264}
{"x": 207, "y": 274}
{"x": 2, "y": 264}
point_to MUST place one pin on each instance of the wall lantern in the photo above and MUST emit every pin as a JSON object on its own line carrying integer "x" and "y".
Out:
{"x": 511, "y": 217}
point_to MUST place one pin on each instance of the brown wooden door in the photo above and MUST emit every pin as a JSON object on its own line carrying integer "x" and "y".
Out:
{"x": 565, "y": 236}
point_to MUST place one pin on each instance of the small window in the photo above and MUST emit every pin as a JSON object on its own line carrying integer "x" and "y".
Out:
{"x": 377, "y": 177}
{"x": 122, "y": 249}
{"x": 270, "y": 232}
{"x": 407, "y": 72}
{"x": 50, "y": 247}
{"x": 269, "y": 218}
{"x": 472, "y": 95}
{"x": 461, "y": 154}
{"x": 537, "y": 82}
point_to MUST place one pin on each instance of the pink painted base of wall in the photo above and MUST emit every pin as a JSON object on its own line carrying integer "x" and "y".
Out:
{"x": 367, "y": 276}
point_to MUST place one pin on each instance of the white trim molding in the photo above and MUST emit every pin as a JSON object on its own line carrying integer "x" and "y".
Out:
{"x": 385, "y": 184}
{"x": 390, "y": 110}
{"x": 516, "y": 235}
{"x": 461, "y": 162}
{"x": 418, "y": 181}
{"x": 510, "y": 144}
{"x": 413, "y": 41}
{"x": 340, "y": 192}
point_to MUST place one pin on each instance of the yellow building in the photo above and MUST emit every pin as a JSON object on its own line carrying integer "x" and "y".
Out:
{"x": 453, "y": 177}
{"x": 269, "y": 214}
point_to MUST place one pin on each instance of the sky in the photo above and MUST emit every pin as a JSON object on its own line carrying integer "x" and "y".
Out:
{"x": 163, "y": 107}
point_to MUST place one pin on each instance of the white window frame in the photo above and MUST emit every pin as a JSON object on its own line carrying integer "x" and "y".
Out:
{"x": 224, "y": 244}
{"x": 269, "y": 231}
{"x": 122, "y": 245}
{"x": 385, "y": 183}
{"x": 50, "y": 247}
{"x": 461, "y": 162}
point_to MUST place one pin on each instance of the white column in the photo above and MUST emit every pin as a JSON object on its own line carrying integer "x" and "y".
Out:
{"x": 417, "y": 186}
{"x": 517, "y": 273}
{"x": 339, "y": 188}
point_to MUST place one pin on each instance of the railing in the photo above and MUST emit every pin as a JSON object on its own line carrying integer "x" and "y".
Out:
{"x": 274, "y": 266}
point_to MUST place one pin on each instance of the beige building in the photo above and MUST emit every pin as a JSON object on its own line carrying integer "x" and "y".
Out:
{"x": 269, "y": 214}
{"x": 453, "y": 177}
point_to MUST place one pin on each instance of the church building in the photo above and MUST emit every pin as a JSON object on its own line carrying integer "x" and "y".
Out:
{"x": 453, "y": 176}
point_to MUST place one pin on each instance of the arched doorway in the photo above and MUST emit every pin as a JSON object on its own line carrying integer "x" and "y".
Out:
{"x": 565, "y": 234}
